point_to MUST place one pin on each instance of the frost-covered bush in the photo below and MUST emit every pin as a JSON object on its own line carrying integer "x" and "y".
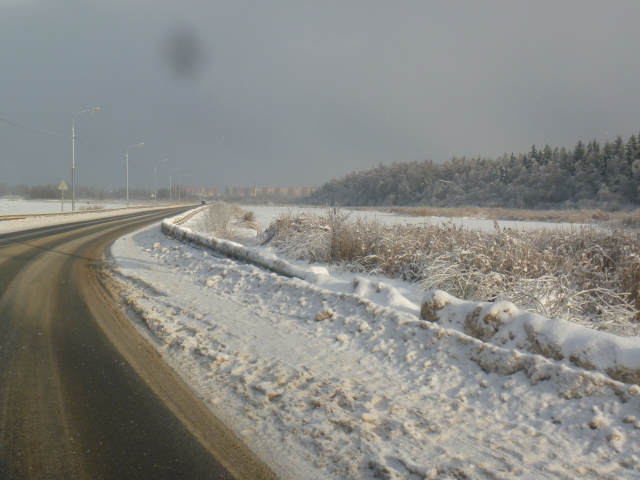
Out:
{"x": 585, "y": 275}
{"x": 330, "y": 237}
{"x": 221, "y": 221}
{"x": 226, "y": 221}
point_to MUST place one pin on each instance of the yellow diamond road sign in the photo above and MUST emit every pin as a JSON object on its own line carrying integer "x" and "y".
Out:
{"x": 63, "y": 186}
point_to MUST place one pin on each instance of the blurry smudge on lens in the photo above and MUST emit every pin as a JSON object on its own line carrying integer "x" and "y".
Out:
{"x": 184, "y": 52}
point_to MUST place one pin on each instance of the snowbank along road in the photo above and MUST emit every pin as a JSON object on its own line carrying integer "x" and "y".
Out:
{"x": 82, "y": 395}
{"x": 350, "y": 382}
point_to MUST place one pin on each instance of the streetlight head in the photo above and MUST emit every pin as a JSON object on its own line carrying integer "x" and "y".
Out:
{"x": 96, "y": 109}
{"x": 141, "y": 144}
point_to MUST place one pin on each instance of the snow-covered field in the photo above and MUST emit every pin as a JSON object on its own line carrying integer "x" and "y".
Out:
{"x": 341, "y": 378}
{"x": 266, "y": 214}
{"x": 16, "y": 207}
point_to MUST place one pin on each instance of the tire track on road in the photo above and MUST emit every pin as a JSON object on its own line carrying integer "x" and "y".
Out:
{"x": 73, "y": 405}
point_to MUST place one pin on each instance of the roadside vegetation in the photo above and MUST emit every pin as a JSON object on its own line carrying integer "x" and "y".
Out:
{"x": 228, "y": 221}
{"x": 89, "y": 207}
{"x": 585, "y": 275}
{"x": 589, "y": 276}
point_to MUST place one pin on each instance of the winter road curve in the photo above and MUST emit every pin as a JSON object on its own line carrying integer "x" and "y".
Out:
{"x": 82, "y": 395}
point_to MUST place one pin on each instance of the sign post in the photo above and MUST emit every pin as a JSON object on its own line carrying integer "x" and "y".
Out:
{"x": 62, "y": 187}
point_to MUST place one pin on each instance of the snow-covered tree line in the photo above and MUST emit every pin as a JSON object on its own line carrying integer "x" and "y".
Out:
{"x": 590, "y": 175}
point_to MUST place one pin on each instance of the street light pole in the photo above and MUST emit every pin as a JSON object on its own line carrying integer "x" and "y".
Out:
{"x": 139, "y": 145}
{"x": 73, "y": 157}
{"x": 155, "y": 188}
{"x": 170, "y": 192}
{"x": 187, "y": 179}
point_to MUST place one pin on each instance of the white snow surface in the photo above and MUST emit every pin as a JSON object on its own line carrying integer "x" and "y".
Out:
{"x": 342, "y": 378}
{"x": 18, "y": 206}
{"x": 266, "y": 214}
{"x": 501, "y": 323}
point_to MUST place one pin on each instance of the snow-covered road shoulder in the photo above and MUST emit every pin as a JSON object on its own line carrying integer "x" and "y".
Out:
{"x": 324, "y": 383}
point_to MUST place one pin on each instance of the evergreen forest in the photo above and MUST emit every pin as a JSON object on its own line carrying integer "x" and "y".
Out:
{"x": 589, "y": 176}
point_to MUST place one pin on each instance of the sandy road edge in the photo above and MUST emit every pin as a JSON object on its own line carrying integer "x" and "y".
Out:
{"x": 102, "y": 294}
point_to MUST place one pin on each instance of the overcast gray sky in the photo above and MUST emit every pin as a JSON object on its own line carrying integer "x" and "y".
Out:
{"x": 292, "y": 93}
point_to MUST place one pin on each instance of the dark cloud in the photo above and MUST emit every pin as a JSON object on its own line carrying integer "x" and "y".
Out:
{"x": 293, "y": 93}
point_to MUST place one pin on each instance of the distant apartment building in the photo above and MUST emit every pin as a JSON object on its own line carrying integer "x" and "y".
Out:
{"x": 263, "y": 192}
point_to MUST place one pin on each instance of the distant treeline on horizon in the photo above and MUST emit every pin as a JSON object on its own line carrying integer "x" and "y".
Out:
{"x": 50, "y": 192}
{"x": 589, "y": 176}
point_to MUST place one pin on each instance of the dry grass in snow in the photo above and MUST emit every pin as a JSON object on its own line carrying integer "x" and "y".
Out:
{"x": 584, "y": 275}
{"x": 87, "y": 207}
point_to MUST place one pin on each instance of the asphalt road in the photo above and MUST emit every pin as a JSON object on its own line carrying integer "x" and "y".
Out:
{"x": 82, "y": 394}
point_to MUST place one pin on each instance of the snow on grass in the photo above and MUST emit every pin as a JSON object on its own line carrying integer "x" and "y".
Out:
{"x": 589, "y": 276}
{"x": 343, "y": 379}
